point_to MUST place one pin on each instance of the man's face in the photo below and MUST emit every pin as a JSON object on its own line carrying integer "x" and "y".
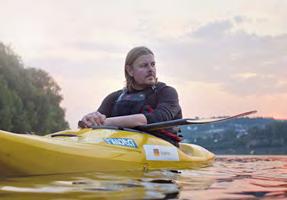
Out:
{"x": 143, "y": 70}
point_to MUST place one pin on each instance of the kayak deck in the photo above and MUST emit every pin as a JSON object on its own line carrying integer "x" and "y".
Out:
{"x": 88, "y": 150}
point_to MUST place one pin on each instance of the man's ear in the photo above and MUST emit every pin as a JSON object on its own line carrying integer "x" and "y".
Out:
{"x": 130, "y": 70}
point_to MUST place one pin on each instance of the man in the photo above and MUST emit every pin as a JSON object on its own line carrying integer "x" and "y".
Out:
{"x": 144, "y": 100}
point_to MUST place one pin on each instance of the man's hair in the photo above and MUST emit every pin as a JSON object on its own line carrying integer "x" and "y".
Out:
{"x": 132, "y": 55}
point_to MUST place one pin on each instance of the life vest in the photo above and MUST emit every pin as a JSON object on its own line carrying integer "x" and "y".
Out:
{"x": 129, "y": 103}
{"x": 140, "y": 102}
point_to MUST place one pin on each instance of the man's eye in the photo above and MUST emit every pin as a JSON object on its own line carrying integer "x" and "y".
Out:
{"x": 147, "y": 65}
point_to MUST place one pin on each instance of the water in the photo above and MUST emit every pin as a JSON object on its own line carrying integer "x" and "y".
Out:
{"x": 231, "y": 177}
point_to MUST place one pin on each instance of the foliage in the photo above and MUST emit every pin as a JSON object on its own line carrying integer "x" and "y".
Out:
{"x": 29, "y": 98}
{"x": 268, "y": 139}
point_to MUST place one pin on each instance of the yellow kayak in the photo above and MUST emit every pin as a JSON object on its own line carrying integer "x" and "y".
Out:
{"x": 87, "y": 150}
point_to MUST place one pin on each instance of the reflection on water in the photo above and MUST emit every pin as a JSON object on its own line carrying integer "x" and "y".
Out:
{"x": 242, "y": 177}
{"x": 231, "y": 177}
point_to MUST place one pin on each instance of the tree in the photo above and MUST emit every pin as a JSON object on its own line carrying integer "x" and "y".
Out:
{"x": 29, "y": 98}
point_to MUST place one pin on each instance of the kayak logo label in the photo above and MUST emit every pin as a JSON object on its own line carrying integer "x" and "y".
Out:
{"x": 126, "y": 142}
{"x": 158, "y": 152}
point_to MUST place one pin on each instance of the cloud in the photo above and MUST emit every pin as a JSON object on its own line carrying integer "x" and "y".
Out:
{"x": 213, "y": 30}
{"x": 216, "y": 53}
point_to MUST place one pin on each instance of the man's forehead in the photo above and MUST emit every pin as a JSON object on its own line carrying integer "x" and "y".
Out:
{"x": 145, "y": 58}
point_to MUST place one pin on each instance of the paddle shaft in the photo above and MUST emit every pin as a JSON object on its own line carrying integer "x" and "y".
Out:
{"x": 187, "y": 121}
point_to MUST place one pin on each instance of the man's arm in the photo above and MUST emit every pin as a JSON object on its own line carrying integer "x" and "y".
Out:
{"x": 128, "y": 121}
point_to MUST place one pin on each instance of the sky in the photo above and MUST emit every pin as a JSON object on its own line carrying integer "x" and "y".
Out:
{"x": 224, "y": 57}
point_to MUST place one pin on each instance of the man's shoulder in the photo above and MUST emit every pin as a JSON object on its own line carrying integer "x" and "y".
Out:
{"x": 115, "y": 94}
{"x": 164, "y": 87}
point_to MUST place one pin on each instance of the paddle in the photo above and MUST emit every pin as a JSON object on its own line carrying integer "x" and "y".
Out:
{"x": 187, "y": 121}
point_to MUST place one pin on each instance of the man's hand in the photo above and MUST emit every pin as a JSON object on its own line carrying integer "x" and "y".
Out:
{"x": 93, "y": 119}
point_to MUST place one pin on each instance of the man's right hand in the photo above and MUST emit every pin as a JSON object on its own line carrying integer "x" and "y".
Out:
{"x": 93, "y": 119}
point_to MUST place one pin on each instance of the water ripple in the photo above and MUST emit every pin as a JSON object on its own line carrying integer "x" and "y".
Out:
{"x": 231, "y": 177}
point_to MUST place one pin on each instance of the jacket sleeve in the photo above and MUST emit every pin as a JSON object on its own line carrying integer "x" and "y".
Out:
{"x": 167, "y": 107}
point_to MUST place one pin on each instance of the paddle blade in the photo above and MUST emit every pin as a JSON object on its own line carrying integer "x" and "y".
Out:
{"x": 206, "y": 121}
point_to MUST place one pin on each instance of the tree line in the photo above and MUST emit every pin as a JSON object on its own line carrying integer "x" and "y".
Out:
{"x": 268, "y": 139}
{"x": 29, "y": 97}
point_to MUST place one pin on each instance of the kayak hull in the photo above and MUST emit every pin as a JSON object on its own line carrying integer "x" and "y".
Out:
{"x": 88, "y": 150}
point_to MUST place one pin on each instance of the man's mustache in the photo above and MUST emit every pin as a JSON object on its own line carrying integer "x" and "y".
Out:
{"x": 150, "y": 74}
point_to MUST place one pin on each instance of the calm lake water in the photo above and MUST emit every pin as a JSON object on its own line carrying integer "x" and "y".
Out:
{"x": 231, "y": 177}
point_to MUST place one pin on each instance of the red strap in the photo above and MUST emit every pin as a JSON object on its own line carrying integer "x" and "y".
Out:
{"x": 171, "y": 135}
{"x": 149, "y": 109}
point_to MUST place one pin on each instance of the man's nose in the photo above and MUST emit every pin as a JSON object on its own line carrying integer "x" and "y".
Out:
{"x": 151, "y": 67}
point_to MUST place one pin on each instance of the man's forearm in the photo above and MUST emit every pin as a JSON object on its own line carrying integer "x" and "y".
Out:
{"x": 128, "y": 121}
